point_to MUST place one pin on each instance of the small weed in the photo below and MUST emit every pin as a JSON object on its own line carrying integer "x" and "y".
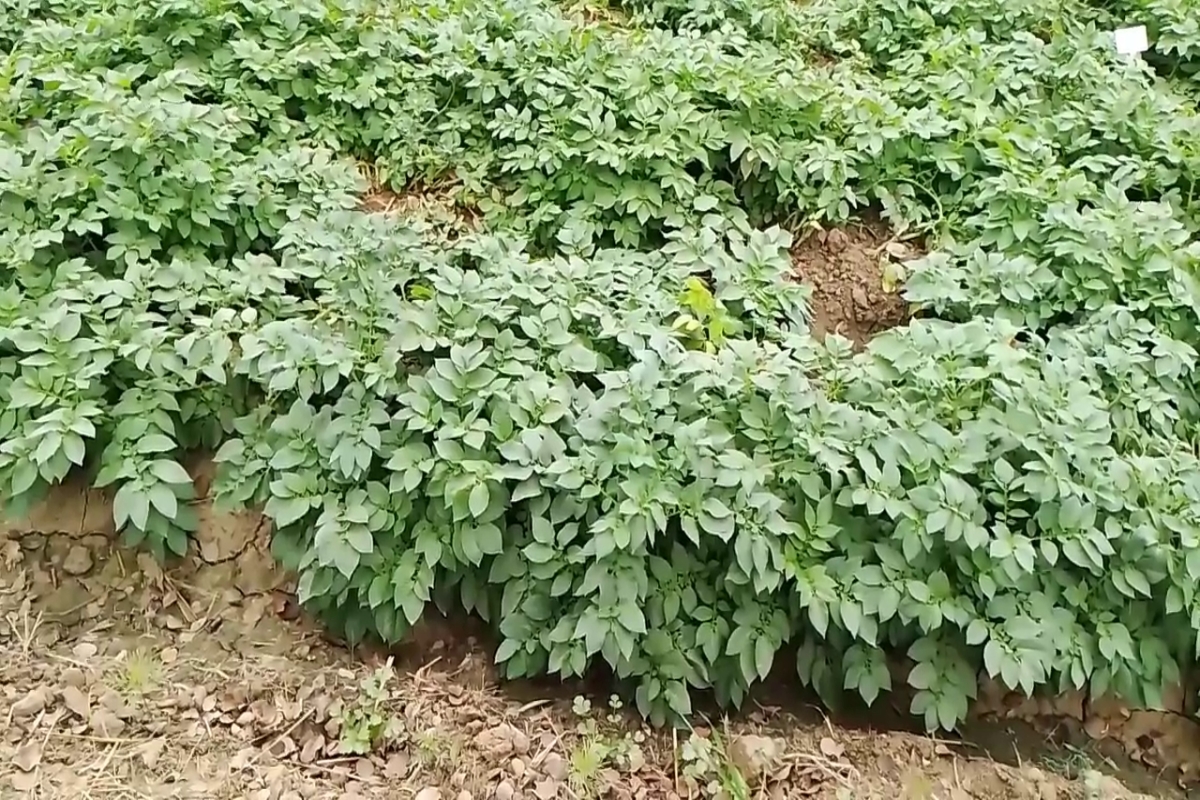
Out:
{"x": 917, "y": 786}
{"x": 708, "y": 766}
{"x": 366, "y": 723}
{"x": 436, "y": 748}
{"x": 1071, "y": 762}
{"x": 584, "y": 765}
{"x": 597, "y": 750}
{"x": 138, "y": 673}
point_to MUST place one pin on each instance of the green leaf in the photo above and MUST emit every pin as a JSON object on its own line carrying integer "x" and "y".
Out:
{"x": 539, "y": 553}
{"x": 131, "y": 507}
{"x": 489, "y": 539}
{"x": 169, "y": 471}
{"x": 507, "y": 649}
{"x": 923, "y": 676}
{"x": 479, "y": 500}
{"x": 379, "y": 591}
{"x": 951, "y": 707}
{"x": 818, "y": 615}
{"x": 345, "y": 559}
{"x": 1137, "y": 580}
{"x": 412, "y": 606}
{"x": 177, "y": 540}
{"x": 286, "y": 511}
{"x": 631, "y": 618}
{"x": 359, "y": 538}
{"x": 155, "y": 443}
{"x": 764, "y": 656}
{"x": 163, "y": 499}
{"x": 530, "y": 487}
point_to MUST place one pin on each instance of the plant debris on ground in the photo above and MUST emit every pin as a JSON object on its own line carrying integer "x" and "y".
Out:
{"x": 118, "y": 682}
{"x": 577, "y": 382}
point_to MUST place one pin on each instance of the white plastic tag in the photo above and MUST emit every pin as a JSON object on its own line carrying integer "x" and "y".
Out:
{"x": 1131, "y": 41}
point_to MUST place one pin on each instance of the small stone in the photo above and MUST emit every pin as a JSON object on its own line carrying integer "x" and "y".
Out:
{"x": 545, "y": 790}
{"x": 282, "y": 747}
{"x": 28, "y": 756}
{"x": 517, "y": 766}
{"x": 84, "y": 650}
{"x": 1047, "y": 791}
{"x": 78, "y": 561}
{"x": 312, "y": 745}
{"x": 520, "y": 742}
{"x": 831, "y": 748}
{"x": 105, "y": 723}
{"x": 24, "y": 782}
{"x": 498, "y": 741}
{"x": 753, "y": 755}
{"x": 73, "y": 676}
{"x": 836, "y": 241}
{"x": 115, "y": 702}
{"x": 76, "y": 701}
{"x": 429, "y": 793}
{"x": 152, "y": 751}
{"x": 1034, "y": 774}
{"x": 31, "y": 704}
{"x": 504, "y": 791}
{"x": 465, "y": 795}
{"x": 555, "y": 766}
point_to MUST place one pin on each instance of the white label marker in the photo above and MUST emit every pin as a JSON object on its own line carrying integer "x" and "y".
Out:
{"x": 1131, "y": 41}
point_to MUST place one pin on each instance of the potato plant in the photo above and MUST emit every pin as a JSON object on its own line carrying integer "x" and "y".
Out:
{"x": 600, "y": 421}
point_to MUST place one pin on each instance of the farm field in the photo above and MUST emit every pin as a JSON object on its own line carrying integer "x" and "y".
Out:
{"x": 734, "y": 356}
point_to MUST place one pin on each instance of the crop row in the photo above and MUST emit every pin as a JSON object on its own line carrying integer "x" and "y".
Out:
{"x": 600, "y": 423}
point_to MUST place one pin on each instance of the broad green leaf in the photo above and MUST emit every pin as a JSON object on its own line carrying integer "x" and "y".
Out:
{"x": 169, "y": 472}
{"x": 479, "y": 499}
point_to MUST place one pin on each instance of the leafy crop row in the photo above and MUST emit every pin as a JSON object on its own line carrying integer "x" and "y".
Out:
{"x": 600, "y": 422}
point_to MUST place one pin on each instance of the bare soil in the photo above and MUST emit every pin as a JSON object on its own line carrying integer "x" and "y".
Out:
{"x": 119, "y": 679}
{"x": 846, "y": 269}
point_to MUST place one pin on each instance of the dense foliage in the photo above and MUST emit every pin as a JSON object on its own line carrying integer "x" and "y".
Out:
{"x": 599, "y": 420}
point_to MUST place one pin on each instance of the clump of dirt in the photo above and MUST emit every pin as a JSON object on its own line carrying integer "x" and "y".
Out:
{"x": 847, "y": 270}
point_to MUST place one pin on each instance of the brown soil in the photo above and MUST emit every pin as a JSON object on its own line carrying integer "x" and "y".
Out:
{"x": 846, "y": 269}
{"x": 119, "y": 679}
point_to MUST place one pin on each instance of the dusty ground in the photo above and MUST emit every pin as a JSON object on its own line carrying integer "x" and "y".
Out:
{"x": 853, "y": 272}
{"x": 121, "y": 680}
